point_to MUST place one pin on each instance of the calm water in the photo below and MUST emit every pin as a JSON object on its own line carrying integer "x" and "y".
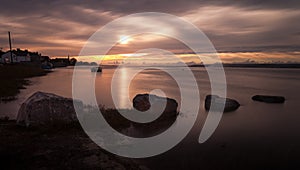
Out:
{"x": 256, "y": 129}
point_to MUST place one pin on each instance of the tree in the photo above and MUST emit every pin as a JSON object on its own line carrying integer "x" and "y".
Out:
{"x": 73, "y": 61}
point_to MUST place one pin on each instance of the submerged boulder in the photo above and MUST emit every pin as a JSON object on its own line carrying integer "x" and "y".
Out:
{"x": 268, "y": 99}
{"x": 217, "y": 103}
{"x": 46, "y": 108}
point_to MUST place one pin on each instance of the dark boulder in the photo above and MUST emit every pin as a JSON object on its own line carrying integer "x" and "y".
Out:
{"x": 142, "y": 103}
{"x": 152, "y": 104}
{"x": 268, "y": 99}
{"x": 230, "y": 104}
{"x": 46, "y": 108}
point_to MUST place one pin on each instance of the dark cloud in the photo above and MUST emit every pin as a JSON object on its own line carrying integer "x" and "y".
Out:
{"x": 133, "y": 6}
{"x": 65, "y": 25}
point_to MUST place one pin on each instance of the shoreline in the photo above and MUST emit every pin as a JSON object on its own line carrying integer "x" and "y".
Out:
{"x": 14, "y": 78}
{"x": 237, "y": 65}
{"x": 55, "y": 147}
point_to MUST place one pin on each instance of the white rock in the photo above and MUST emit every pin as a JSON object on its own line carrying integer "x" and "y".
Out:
{"x": 46, "y": 108}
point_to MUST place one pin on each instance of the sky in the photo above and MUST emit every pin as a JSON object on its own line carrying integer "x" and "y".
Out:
{"x": 241, "y": 31}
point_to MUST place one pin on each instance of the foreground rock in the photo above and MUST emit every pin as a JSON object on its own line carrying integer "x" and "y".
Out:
{"x": 268, "y": 99}
{"x": 230, "y": 104}
{"x": 46, "y": 108}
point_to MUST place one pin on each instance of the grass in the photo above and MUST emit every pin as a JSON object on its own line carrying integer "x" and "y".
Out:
{"x": 120, "y": 123}
{"x": 13, "y": 79}
{"x": 56, "y": 147}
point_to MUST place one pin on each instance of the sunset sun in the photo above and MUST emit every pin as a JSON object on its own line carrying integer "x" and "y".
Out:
{"x": 124, "y": 39}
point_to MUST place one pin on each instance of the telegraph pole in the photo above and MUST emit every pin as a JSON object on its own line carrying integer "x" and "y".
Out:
{"x": 9, "y": 39}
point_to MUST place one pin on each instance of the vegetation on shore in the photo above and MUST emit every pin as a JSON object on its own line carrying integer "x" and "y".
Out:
{"x": 13, "y": 78}
{"x": 55, "y": 147}
{"x": 120, "y": 123}
{"x": 66, "y": 146}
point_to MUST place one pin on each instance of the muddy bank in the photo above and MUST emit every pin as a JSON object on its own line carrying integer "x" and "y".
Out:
{"x": 13, "y": 78}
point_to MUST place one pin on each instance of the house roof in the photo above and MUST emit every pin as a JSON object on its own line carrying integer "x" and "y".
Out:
{"x": 19, "y": 52}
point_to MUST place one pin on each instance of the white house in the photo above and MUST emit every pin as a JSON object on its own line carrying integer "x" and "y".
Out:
{"x": 18, "y": 56}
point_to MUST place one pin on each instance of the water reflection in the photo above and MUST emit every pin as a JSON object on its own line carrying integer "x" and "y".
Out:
{"x": 120, "y": 88}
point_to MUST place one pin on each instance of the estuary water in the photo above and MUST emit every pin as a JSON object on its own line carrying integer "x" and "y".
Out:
{"x": 256, "y": 133}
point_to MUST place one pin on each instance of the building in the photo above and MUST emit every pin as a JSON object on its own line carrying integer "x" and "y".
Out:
{"x": 17, "y": 56}
{"x": 6, "y": 58}
{"x": 60, "y": 62}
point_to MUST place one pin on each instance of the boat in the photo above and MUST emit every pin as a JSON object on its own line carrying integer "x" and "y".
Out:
{"x": 96, "y": 69}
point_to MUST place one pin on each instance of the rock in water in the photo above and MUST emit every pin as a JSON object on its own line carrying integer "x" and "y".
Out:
{"x": 163, "y": 107}
{"x": 230, "y": 104}
{"x": 46, "y": 108}
{"x": 268, "y": 99}
{"x": 142, "y": 103}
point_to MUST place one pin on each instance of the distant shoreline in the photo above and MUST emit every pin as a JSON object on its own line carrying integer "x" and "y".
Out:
{"x": 224, "y": 65}
{"x": 254, "y": 65}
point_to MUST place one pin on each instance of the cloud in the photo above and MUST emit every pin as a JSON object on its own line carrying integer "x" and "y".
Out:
{"x": 130, "y": 6}
{"x": 58, "y": 28}
{"x": 232, "y": 26}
